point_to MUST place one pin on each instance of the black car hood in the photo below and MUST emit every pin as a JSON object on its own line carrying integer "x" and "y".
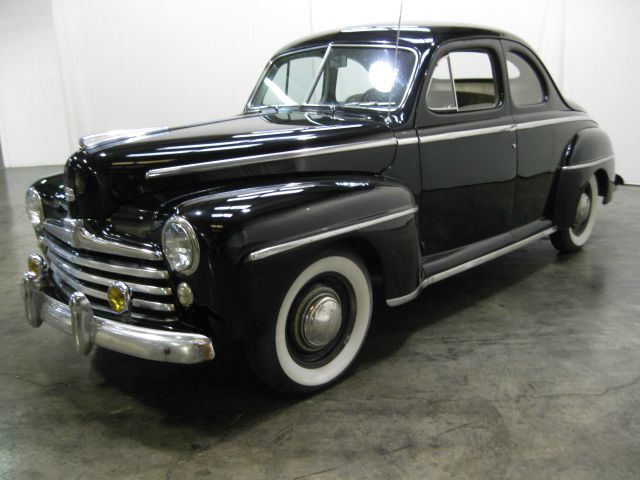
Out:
{"x": 112, "y": 169}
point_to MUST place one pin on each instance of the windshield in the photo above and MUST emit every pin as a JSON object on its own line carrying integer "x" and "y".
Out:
{"x": 337, "y": 76}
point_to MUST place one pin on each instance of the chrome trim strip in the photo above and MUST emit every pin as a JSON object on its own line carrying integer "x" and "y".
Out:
{"x": 136, "y": 302}
{"x": 143, "y": 272}
{"x": 554, "y": 121}
{"x": 89, "y": 277}
{"x": 408, "y": 140}
{"x": 267, "y": 157}
{"x": 152, "y": 344}
{"x": 393, "y": 302}
{"x": 73, "y": 232}
{"x": 112, "y": 137}
{"x": 588, "y": 164}
{"x": 329, "y": 149}
{"x": 283, "y": 247}
{"x": 438, "y": 137}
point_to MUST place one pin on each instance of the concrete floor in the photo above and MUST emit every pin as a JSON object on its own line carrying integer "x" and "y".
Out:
{"x": 524, "y": 368}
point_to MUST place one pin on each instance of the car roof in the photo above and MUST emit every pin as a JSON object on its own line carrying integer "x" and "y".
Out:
{"x": 420, "y": 36}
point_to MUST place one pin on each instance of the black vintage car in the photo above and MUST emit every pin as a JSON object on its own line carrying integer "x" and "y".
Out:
{"x": 410, "y": 154}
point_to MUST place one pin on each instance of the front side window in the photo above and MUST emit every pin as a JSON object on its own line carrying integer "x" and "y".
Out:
{"x": 345, "y": 76}
{"x": 290, "y": 79}
{"x": 524, "y": 82}
{"x": 463, "y": 81}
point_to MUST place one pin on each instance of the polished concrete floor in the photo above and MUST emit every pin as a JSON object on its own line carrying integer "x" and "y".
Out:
{"x": 524, "y": 368}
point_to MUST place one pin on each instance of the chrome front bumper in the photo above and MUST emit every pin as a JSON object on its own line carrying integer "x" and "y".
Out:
{"x": 77, "y": 319}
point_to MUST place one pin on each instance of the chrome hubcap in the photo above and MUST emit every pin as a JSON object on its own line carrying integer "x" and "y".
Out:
{"x": 583, "y": 210}
{"x": 321, "y": 321}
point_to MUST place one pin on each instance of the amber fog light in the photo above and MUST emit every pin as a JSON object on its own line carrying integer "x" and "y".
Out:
{"x": 185, "y": 295}
{"x": 37, "y": 265}
{"x": 119, "y": 296}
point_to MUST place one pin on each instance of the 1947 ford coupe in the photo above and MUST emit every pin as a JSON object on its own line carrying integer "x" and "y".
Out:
{"x": 409, "y": 153}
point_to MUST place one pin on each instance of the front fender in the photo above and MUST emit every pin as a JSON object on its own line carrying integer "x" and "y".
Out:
{"x": 258, "y": 240}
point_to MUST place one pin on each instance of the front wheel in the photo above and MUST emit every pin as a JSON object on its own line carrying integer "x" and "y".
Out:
{"x": 572, "y": 238}
{"x": 319, "y": 329}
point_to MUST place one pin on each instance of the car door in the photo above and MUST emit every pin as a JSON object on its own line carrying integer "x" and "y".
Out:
{"x": 543, "y": 132}
{"x": 467, "y": 147}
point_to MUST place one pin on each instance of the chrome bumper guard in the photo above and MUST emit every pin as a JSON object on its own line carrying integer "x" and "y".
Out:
{"x": 77, "y": 319}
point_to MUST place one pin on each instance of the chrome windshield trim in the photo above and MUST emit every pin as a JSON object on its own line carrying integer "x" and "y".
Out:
{"x": 142, "y": 272}
{"x": 91, "y": 292}
{"x": 283, "y": 247}
{"x": 588, "y": 164}
{"x": 316, "y": 77}
{"x": 394, "y": 302}
{"x": 511, "y": 127}
{"x": 90, "y": 277}
{"x": 328, "y": 47}
{"x": 73, "y": 232}
{"x": 267, "y": 157}
{"x": 247, "y": 107}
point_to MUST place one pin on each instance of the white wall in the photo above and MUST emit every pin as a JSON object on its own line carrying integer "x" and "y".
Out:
{"x": 140, "y": 63}
{"x": 602, "y": 72}
{"x": 33, "y": 126}
{"x": 136, "y": 63}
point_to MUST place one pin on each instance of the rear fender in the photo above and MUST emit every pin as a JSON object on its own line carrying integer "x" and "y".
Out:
{"x": 590, "y": 153}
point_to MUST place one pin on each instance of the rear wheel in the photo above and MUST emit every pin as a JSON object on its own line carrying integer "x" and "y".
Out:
{"x": 320, "y": 327}
{"x": 571, "y": 239}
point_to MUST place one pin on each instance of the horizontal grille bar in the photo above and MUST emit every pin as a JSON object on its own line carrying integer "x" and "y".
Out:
{"x": 122, "y": 269}
{"x": 83, "y": 261}
{"x": 74, "y": 233}
{"x": 108, "y": 313}
{"x": 80, "y": 275}
{"x": 102, "y": 295}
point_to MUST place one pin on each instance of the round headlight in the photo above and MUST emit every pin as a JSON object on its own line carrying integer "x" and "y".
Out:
{"x": 33, "y": 203}
{"x": 180, "y": 245}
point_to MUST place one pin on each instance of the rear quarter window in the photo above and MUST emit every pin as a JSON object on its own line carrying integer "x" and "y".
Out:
{"x": 524, "y": 82}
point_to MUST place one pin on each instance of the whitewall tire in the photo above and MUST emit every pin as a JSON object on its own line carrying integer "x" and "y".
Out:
{"x": 319, "y": 329}
{"x": 573, "y": 238}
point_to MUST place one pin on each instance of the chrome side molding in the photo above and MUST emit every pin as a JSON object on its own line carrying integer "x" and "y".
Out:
{"x": 588, "y": 164}
{"x": 512, "y": 127}
{"x": 439, "y": 137}
{"x": 299, "y": 242}
{"x": 267, "y": 158}
{"x": 394, "y": 302}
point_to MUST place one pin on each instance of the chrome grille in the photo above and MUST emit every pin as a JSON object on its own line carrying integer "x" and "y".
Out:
{"x": 89, "y": 263}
